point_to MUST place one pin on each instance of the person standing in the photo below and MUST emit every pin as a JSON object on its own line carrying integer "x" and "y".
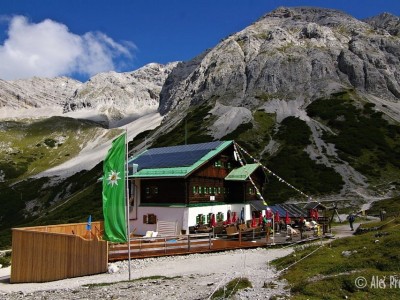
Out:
{"x": 351, "y": 219}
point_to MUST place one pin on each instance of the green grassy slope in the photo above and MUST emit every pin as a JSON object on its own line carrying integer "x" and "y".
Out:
{"x": 324, "y": 272}
{"x": 362, "y": 135}
{"x": 29, "y": 147}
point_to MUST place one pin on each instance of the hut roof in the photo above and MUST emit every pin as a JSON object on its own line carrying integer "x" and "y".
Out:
{"x": 174, "y": 161}
{"x": 294, "y": 211}
{"x": 242, "y": 173}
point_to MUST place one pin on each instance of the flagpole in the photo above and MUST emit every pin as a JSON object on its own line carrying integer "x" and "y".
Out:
{"x": 127, "y": 203}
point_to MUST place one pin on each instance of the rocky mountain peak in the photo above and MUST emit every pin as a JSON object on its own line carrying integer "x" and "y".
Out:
{"x": 323, "y": 16}
{"x": 36, "y": 92}
{"x": 386, "y": 21}
{"x": 290, "y": 53}
{"x": 111, "y": 98}
{"x": 119, "y": 98}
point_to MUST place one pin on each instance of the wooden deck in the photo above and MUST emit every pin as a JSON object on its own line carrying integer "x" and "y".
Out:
{"x": 198, "y": 243}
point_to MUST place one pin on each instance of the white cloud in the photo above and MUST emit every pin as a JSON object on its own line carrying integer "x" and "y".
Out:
{"x": 49, "y": 49}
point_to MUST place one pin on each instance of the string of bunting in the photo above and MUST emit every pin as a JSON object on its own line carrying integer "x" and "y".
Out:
{"x": 272, "y": 173}
{"x": 251, "y": 180}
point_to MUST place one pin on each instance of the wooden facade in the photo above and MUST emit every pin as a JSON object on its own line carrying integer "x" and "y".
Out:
{"x": 48, "y": 253}
{"x": 163, "y": 191}
{"x": 207, "y": 184}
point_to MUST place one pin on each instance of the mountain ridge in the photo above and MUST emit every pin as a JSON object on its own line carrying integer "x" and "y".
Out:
{"x": 105, "y": 98}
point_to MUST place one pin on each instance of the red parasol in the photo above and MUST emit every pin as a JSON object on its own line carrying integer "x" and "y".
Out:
{"x": 229, "y": 220}
{"x": 213, "y": 223}
{"x": 277, "y": 217}
{"x": 268, "y": 213}
{"x": 234, "y": 217}
{"x": 316, "y": 214}
{"x": 254, "y": 222}
{"x": 260, "y": 220}
{"x": 287, "y": 219}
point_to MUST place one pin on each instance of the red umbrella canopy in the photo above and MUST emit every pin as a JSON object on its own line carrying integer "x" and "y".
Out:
{"x": 234, "y": 217}
{"x": 229, "y": 220}
{"x": 277, "y": 217}
{"x": 287, "y": 219}
{"x": 254, "y": 222}
{"x": 213, "y": 222}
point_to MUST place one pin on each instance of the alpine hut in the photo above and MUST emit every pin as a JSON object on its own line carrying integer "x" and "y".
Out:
{"x": 174, "y": 188}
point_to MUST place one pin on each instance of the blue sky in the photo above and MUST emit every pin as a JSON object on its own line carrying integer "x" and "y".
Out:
{"x": 80, "y": 38}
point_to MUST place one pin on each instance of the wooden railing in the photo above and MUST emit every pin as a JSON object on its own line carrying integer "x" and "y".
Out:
{"x": 47, "y": 253}
{"x": 142, "y": 246}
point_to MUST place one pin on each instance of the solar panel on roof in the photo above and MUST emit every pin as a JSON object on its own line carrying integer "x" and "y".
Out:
{"x": 278, "y": 208}
{"x": 185, "y": 148}
{"x": 175, "y": 156}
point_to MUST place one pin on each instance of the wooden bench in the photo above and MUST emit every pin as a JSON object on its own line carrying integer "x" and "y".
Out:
{"x": 231, "y": 231}
{"x": 243, "y": 228}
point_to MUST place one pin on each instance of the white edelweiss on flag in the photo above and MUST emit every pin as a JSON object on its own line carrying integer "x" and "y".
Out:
{"x": 113, "y": 178}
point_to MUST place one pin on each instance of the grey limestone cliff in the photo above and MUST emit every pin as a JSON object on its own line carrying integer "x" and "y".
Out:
{"x": 290, "y": 53}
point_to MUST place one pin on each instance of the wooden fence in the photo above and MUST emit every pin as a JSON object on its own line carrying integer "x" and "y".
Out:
{"x": 159, "y": 246}
{"x": 47, "y": 253}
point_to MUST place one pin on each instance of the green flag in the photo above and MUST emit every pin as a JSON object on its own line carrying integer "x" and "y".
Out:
{"x": 114, "y": 192}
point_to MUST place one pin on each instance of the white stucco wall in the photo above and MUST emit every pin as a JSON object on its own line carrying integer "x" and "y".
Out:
{"x": 184, "y": 216}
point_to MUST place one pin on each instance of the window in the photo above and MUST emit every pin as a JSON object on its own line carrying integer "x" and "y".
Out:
{"x": 151, "y": 190}
{"x": 252, "y": 191}
{"x": 196, "y": 190}
{"x": 217, "y": 164}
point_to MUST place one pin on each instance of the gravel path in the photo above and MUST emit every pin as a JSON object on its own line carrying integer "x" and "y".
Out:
{"x": 194, "y": 276}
